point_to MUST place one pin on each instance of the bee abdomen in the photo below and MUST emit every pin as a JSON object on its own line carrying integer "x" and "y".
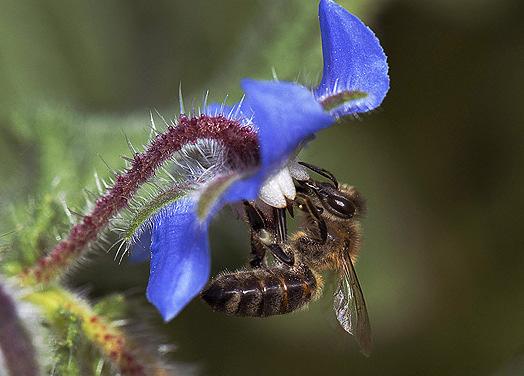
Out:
{"x": 261, "y": 292}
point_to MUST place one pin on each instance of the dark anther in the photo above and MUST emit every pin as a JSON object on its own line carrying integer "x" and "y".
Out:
{"x": 289, "y": 208}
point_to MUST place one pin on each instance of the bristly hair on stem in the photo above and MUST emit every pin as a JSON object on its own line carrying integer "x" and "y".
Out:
{"x": 243, "y": 153}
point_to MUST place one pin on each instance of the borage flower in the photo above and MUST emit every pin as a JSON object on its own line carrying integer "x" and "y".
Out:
{"x": 273, "y": 121}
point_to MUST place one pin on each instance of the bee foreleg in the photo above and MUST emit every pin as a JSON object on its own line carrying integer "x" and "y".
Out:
{"x": 312, "y": 210}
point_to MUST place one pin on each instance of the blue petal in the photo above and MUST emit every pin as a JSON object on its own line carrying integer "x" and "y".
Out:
{"x": 140, "y": 251}
{"x": 286, "y": 114}
{"x": 354, "y": 61}
{"x": 180, "y": 262}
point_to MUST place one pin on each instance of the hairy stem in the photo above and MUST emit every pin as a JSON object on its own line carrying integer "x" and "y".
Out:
{"x": 112, "y": 343}
{"x": 241, "y": 141}
{"x": 15, "y": 343}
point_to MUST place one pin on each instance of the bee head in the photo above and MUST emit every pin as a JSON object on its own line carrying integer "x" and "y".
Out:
{"x": 341, "y": 201}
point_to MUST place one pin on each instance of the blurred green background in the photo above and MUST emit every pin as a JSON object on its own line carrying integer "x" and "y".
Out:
{"x": 442, "y": 266}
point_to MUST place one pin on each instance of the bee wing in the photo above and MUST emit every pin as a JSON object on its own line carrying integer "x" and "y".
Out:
{"x": 350, "y": 307}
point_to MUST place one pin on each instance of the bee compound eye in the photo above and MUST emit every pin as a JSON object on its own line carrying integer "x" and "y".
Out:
{"x": 342, "y": 206}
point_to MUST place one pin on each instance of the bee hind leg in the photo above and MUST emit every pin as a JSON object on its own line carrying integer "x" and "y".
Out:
{"x": 259, "y": 248}
{"x": 257, "y": 224}
{"x": 258, "y": 252}
{"x": 262, "y": 239}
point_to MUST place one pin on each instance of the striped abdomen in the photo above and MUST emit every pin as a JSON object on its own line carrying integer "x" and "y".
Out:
{"x": 261, "y": 292}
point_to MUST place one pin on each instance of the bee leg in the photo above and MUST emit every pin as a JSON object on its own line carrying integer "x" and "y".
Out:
{"x": 255, "y": 219}
{"x": 312, "y": 210}
{"x": 258, "y": 252}
{"x": 261, "y": 239}
{"x": 282, "y": 256}
{"x": 258, "y": 225}
{"x": 279, "y": 218}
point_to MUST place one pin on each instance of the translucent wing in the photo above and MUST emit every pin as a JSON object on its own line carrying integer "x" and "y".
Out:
{"x": 350, "y": 307}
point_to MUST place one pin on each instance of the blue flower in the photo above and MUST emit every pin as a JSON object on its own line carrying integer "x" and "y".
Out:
{"x": 284, "y": 115}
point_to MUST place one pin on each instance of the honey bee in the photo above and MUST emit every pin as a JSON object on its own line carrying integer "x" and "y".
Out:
{"x": 328, "y": 239}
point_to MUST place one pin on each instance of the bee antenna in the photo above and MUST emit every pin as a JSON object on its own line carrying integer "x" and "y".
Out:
{"x": 322, "y": 172}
